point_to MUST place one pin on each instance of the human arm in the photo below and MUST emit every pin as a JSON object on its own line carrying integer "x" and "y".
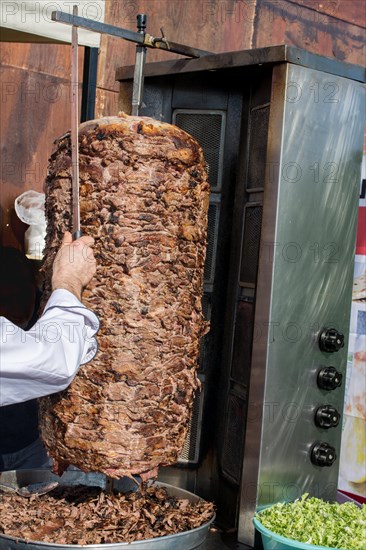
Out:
{"x": 45, "y": 359}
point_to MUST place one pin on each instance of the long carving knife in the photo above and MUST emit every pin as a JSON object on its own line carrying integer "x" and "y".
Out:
{"x": 76, "y": 232}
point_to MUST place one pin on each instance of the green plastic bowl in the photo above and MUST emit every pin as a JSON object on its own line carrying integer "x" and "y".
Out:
{"x": 272, "y": 541}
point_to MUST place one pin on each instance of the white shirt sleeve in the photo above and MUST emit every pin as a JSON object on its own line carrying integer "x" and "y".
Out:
{"x": 45, "y": 359}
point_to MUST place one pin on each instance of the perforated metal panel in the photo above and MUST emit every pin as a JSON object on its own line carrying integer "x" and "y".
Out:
{"x": 208, "y": 127}
{"x": 234, "y": 437}
{"x": 204, "y": 342}
{"x": 240, "y": 366}
{"x": 191, "y": 447}
{"x": 206, "y": 306}
{"x": 212, "y": 234}
{"x": 258, "y": 136}
{"x": 250, "y": 246}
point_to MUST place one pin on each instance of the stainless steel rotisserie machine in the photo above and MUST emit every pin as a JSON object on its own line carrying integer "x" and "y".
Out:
{"x": 282, "y": 133}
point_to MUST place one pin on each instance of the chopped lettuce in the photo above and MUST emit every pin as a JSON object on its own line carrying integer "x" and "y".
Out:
{"x": 314, "y": 521}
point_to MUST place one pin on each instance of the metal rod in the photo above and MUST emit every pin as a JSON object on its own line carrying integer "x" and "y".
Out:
{"x": 109, "y": 485}
{"x": 173, "y": 47}
{"x": 146, "y": 40}
{"x": 75, "y": 130}
{"x": 138, "y": 77}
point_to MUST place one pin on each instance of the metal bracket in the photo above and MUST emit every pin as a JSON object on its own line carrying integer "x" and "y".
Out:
{"x": 162, "y": 39}
{"x": 139, "y": 38}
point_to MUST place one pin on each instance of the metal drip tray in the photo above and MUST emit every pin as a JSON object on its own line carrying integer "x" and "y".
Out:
{"x": 186, "y": 539}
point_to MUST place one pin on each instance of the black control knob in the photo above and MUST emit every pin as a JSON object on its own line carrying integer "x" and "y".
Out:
{"x": 329, "y": 378}
{"x": 330, "y": 340}
{"x": 327, "y": 416}
{"x": 323, "y": 454}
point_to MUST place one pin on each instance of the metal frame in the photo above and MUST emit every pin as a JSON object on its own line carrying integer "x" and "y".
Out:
{"x": 143, "y": 39}
{"x": 278, "y": 463}
{"x": 280, "y": 63}
{"x": 258, "y": 56}
{"x": 250, "y": 471}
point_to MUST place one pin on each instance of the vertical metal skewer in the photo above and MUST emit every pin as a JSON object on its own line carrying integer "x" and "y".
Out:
{"x": 138, "y": 77}
{"x": 109, "y": 485}
{"x": 75, "y": 130}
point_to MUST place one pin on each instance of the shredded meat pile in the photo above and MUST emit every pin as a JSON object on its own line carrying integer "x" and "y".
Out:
{"x": 88, "y": 515}
{"x": 144, "y": 199}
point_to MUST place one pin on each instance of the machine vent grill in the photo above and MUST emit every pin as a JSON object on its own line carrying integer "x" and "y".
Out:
{"x": 243, "y": 342}
{"x": 191, "y": 448}
{"x": 258, "y": 136}
{"x": 208, "y": 128}
{"x": 251, "y": 241}
{"x": 234, "y": 438}
{"x": 212, "y": 234}
{"x": 204, "y": 342}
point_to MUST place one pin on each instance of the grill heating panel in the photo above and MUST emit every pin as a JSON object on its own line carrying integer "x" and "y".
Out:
{"x": 208, "y": 127}
{"x": 284, "y": 176}
{"x": 304, "y": 285}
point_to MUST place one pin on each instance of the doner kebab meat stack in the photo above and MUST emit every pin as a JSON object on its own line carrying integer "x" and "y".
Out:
{"x": 144, "y": 198}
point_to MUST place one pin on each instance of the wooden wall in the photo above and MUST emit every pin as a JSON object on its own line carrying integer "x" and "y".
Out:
{"x": 34, "y": 111}
{"x": 34, "y": 101}
{"x": 334, "y": 28}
